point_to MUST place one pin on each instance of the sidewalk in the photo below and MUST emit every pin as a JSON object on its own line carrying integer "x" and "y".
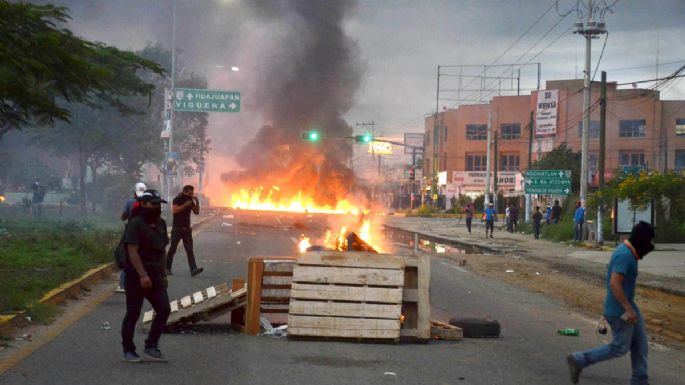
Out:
{"x": 663, "y": 269}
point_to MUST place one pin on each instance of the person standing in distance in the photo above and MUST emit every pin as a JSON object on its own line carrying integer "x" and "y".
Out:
{"x": 182, "y": 205}
{"x": 146, "y": 238}
{"x": 556, "y": 212}
{"x": 132, "y": 207}
{"x": 469, "y": 216}
{"x": 620, "y": 310}
{"x": 489, "y": 219}
{"x": 578, "y": 221}
{"x": 537, "y": 221}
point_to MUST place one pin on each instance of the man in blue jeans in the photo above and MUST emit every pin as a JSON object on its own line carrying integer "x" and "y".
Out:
{"x": 620, "y": 310}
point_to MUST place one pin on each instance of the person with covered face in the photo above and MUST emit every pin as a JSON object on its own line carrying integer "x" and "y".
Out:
{"x": 185, "y": 203}
{"x": 621, "y": 311}
{"x": 146, "y": 240}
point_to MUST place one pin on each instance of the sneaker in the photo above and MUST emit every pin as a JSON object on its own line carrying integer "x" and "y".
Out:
{"x": 574, "y": 368}
{"x": 197, "y": 271}
{"x": 132, "y": 357}
{"x": 154, "y": 355}
{"x": 120, "y": 289}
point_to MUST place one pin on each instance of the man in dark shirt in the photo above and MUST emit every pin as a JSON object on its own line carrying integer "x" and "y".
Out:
{"x": 537, "y": 221}
{"x": 514, "y": 213}
{"x": 183, "y": 204}
{"x": 146, "y": 238}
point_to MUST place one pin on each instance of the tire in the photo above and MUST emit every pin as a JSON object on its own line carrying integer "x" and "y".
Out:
{"x": 477, "y": 327}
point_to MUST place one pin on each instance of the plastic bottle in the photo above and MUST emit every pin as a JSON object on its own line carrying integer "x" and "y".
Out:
{"x": 569, "y": 332}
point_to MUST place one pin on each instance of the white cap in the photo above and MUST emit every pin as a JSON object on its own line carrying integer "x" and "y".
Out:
{"x": 140, "y": 189}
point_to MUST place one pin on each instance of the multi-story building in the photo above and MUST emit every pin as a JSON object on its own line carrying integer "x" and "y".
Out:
{"x": 641, "y": 130}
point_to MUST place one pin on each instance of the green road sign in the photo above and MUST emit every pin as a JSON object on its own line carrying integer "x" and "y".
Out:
{"x": 199, "y": 100}
{"x": 548, "y": 182}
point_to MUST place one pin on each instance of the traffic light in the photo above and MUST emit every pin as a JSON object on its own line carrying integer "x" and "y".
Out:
{"x": 366, "y": 138}
{"x": 311, "y": 136}
{"x": 412, "y": 173}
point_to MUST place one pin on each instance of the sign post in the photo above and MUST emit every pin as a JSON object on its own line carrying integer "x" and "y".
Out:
{"x": 200, "y": 100}
{"x": 548, "y": 182}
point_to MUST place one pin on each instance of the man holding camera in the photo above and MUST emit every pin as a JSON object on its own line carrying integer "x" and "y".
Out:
{"x": 181, "y": 208}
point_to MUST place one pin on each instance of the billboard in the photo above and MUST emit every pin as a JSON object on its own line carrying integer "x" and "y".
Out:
{"x": 475, "y": 180}
{"x": 546, "y": 112}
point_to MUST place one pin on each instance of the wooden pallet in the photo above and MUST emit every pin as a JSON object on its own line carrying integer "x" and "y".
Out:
{"x": 346, "y": 295}
{"x": 416, "y": 298}
{"x": 202, "y": 305}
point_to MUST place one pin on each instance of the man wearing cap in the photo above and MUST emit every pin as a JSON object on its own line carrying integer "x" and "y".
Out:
{"x": 621, "y": 311}
{"x": 131, "y": 209}
{"x": 146, "y": 239}
{"x": 181, "y": 207}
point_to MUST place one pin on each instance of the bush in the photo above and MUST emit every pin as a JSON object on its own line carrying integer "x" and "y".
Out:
{"x": 562, "y": 231}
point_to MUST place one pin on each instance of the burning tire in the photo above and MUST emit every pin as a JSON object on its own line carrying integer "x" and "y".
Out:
{"x": 477, "y": 327}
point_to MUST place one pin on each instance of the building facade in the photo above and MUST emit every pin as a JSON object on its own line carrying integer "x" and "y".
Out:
{"x": 641, "y": 130}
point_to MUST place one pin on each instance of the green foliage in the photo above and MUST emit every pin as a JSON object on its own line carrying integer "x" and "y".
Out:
{"x": 560, "y": 232}
{"x": 38, "y": 256}
{"x": 561, "y": 158}
{"x": 42, "y": 62}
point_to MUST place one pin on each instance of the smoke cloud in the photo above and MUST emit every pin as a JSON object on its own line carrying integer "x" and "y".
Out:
{"x": 308, "y": 79}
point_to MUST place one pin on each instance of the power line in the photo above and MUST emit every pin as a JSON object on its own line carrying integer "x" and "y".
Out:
{"x": 645, "y": 66}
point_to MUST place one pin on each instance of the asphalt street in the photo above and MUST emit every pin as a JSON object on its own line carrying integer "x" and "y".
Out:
{"x": 529, "y": 351}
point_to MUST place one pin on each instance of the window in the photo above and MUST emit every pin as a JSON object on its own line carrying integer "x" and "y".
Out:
{"x": 680, "y": 127}
{"x": 476, "y": 162}
{"x": 509, "y": 163}
{"x": 631, "y": 158}
{"x": 476, "y": 132}
{"x": 593, "y": 131}
{"x": 631, "y": 128}
{"x": 679, "y": 160}
{"x": 510, "y": 131}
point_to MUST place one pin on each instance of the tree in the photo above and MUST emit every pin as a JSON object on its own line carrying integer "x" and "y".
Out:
{"x": 561, "y": 158}
{"x": 43, "y": 66}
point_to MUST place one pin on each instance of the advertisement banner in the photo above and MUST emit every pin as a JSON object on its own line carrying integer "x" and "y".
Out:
{"x": 546, "y": 114}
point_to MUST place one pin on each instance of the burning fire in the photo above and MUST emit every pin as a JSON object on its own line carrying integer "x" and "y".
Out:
{"x": 2, "y": 198}
{"x": 338, "y": 240}
{"x": 259, "y": 199}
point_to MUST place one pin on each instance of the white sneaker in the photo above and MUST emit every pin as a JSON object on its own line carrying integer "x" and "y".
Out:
{"x": 120, "y": 289}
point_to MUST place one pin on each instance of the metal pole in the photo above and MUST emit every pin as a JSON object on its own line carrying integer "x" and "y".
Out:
{"x": 586, "y": 108}
{"x": 600, "y": 158}
{"x": 171, "y": 120}
{"x": 494, "y": 174}
{"x": 487, "y": 161}
{"x": 530, "y": 160}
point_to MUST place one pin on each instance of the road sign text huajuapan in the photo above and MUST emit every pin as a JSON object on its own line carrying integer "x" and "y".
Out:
{"x": 548, "y": 182}
{"x": 199, "y": 100}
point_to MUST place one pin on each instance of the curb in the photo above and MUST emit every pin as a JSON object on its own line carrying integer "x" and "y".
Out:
{"x": 68, "y": 290}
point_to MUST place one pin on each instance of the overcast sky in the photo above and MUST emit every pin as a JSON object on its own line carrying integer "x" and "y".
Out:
{"x": 400, "y": 44}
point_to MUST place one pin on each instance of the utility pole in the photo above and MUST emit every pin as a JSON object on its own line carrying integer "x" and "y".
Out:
{"x": 170, "y": 161}
{"x": 487, "y": 161}
{"x": 494, "y": 174}
{"x": 590, "y": 30}
{"x": 530, "y": 161}
{"x": 600, "y": 158}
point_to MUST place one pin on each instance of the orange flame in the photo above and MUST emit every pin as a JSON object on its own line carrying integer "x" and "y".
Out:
{"x": 261, "y": 199}
{"x": 304, "y": 244}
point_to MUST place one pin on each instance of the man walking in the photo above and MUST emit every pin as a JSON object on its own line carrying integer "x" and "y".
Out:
{"x": 146, "y": 238}
{"x": 556, "y": 212}
{"x": 131, "y": 209}
{"x": 578, "y": 220}
{"x": 490, "y": 219}
{"x": 620, "y": 310}
{"x": 469, "y": 216}
{"x": 514, "y": 214}
{"x": 182, "y": 205}
{"x": 537, "y": 222}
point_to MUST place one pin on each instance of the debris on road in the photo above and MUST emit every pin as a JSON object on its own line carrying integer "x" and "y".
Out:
{"x": 509, "y": 271}
{"x": 24, "y": 337}
{"x": 445, "y": 331}
{"x": 477, "y": 327}
{"x": 106, "y": 325}
{"x": 228, "y": 216}
{"x": 226, "y": 224}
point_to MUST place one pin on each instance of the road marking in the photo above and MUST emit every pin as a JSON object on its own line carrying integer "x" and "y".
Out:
{"x": 59, "y": 327}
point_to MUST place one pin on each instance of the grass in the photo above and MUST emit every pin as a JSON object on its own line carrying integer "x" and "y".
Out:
{"x": 38, "y": 256}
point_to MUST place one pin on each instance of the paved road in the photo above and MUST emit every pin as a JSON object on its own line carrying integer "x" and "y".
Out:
{"x": 529, "y": 351}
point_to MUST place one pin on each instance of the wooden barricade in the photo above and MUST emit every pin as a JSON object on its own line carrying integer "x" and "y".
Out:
{"x": 346, "y": 295}
{"x": 416, "y": 298}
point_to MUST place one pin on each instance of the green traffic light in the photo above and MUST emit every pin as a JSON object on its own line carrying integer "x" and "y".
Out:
{"x": 313, "y": 136}
{"x": 367, "y": 138}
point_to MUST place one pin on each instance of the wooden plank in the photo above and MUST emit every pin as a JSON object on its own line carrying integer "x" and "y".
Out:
{"x": 348, "y": 275}
{"x": 237, "y": 284}
{"x": 409, "y": 333}
{"x": 346, "y": 293}
{"x": 255, "y": 269}
{"x": 271, "y": 265}
{"x": 147, "y": 317}
{"x": 186, "y": 301}
{"x": 275, "y": 293}
{"x": 211, "y": 292}
{"x": 174, "y": 306}
{"x": 443, "y": 331}
{"x": 410, "y": 295}
{"x": 410, "y": 260}
{"x": 424, "y": 301}
{"x": 345, "y": 309}
{"x": 270, "y": 280}
{"x": 343, "y": 333}
{"x": 340, "y": 323}
{"x": 356, "y": 259}
{"x": 198, "y": 297}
